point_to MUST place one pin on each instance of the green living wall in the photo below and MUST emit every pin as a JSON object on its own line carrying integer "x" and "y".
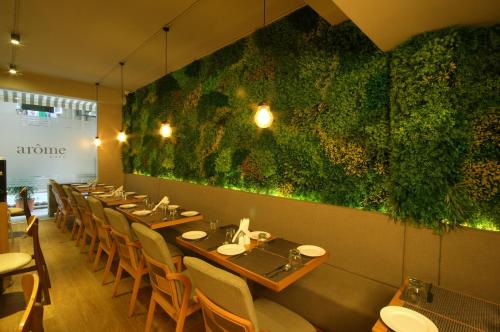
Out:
{"x": 413, "y": 132}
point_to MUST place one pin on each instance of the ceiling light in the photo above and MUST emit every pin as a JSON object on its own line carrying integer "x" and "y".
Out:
{"x": 97, "y": 141}
{"x": 13, "y": 69}
{"x": 165, "y": 130}
{"x": 121, "y": 137}
{"x": 15, "y": 38}
{"x": 263, "y": 117}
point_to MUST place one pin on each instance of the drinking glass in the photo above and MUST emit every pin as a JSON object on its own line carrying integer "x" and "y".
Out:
{"x": 172, "y": 211}
{"x": 229, "y": 235}
{"x": 415, "y": 291}
{"x": 294, "y": 259}
{"x": 213, "y": 225}
{"x": 262, "y": 240}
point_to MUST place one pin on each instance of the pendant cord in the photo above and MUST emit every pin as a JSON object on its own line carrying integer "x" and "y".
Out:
{"x": 264, "y": 13}
{"x": 121, "y": 80}
{"x": 17, "y": 6}
{"x": 97, "y": 107}
{"x": 166, "y": 29}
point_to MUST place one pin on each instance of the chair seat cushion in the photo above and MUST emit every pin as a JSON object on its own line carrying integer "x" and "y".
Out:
{"x": 273, "y": 317}
{"x": 174, "y": 251}
{"x": 15, "y": 211}
{"x": 13, "y": 260}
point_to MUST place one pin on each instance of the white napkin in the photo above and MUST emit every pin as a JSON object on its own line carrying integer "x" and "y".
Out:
{"x": 164, "y": 200}
{"x": 245, "y": 239}
{"x": 117, "y": 191}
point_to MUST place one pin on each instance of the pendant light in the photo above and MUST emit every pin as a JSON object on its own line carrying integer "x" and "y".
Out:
{"x": 263, "y": 117}
{"x": 15, "y": 39}
{"x": 166, "y": 129}
{"x": 97, "y": 140}
{"x": 122, "y": 136}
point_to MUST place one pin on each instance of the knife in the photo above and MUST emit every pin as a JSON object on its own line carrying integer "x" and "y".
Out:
{"x": 267, "y": 274}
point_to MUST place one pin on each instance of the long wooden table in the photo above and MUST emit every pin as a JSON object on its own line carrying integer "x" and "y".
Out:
{"x": 232, "y": 265}
{"x": 157, "y": 219}
{"x": 450, "y": 311}
{"x": 117, "y": 201}
{"x": 85, "y": 189}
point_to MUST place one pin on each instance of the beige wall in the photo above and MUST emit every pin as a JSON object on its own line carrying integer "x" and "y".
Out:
{"x": 109, "y": 160}
{"x": 370, "y": 254}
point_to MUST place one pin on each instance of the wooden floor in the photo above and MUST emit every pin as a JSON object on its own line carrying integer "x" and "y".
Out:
{"x": 79, "y": 301}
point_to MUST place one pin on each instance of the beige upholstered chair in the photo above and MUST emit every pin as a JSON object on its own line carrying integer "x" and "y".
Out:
{"x": 16, "y": 212}
{"x": 228, "y": 306}
{"x": 64, "y": 211}
{"x": 89, "y": 226}
{"x": 171, "y": 287}
{"x": 104, "y": 233}
{"x": 77, "y": 230}
{"x": 32, "y": 320}
{"x": 128, "y": 247}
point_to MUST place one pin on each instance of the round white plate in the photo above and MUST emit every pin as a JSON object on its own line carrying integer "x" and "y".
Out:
{"x": 109, "y": 186}
{"x": 141, "y": 196}
{"x": 194, "y": 235}
{"x": 231, "y": 249}
{"x": 189, "y": 213}
{"x": 173, "y": 207}
{"x": 100, "y": 184}
{"x": 255, "y": 235}
{"x": 141, "y": 212}
{"x": 128, "y": 193}
{"x": 76, "y": 184}
{"x": 105, "y": 195}
{"x": 127, "y": 206}
{"x": 82, "y": 186}
{"x": 97, "y": 192}
{"x": 402, "y": 319}
{"x": 311, "y": 251}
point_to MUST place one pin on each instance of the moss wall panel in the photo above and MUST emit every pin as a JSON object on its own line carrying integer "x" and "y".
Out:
{"x": 353, "y": 126}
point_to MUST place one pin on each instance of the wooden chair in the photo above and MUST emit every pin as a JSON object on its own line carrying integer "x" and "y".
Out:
{"x": 33, "y": 315}
{"x": 39, "y": 261}
{"x": 64, "y": 211}
{"x": 128, "y": 249}
{"x": 104, "y": 233}
{"x": 77, "y": 229}
{"x": 17, "y": 212}
{"x": 89, "y": 227}
{"x": 171, "y": 286}
{"x": 227, "y": 304}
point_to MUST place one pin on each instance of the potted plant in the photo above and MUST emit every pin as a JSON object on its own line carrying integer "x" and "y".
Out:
{"x": 19, "y": 201}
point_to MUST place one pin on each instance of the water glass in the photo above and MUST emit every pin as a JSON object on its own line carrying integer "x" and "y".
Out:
{"x": 262, "y": 240}
{"x": 213, "y": 225}
{"x": 294, "y": 259}
{"x": 229, "y": 235}
{"x": 415, "y": 291}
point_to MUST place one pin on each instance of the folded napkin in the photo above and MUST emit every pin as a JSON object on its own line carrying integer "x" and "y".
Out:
{"x": 243, "y": 234}
{"x": 118, "y": 191}
{"x": 164, "y": 200}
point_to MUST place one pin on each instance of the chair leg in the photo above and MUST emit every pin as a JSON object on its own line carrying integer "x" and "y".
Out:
{"x": 151, "y": 314}
{"x": 111, "y": 256}
{"x": 64, "y": 223}
{"x": 97, "y": 258}
{"x": 84, "y": 241}
{"x": 135, "y": 291}
{"x": 81, "y": 231}
{"x": 74, "y": 230}
{"x": 117, "y": 279}
{"x": 92, "y": 246}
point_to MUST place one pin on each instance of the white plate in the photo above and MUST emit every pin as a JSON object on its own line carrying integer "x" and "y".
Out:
{"x": 140, "y": 196}
{"x": 82, "y": 186}
{"x": 231, "y": 249}
{"x": 255, "y": 235}
{"x": 105, "y": 195}
{"x": 402, "y": 319}
{"x": 141, "y": 213}
{"x": 194, "y": 235}
{"x": 189, "y": 213}
{"x": 128, "y": 193}
{"x": 109, "y": 186}
{"x": 173, "y": 207}
{"x": 311, "y": 251}
{"x": 97, "y": 192}
{"x": 76, "y": 184}
{"x": 127, "y": 206}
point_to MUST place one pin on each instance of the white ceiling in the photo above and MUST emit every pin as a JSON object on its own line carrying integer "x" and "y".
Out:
{"x": 85, "y": 40}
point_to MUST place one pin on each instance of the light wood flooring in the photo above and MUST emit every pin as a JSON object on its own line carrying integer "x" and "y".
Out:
{"x": 79, "y": 301}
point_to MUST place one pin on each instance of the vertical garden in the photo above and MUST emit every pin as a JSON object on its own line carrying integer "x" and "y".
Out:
{"x": 413, "y": 132}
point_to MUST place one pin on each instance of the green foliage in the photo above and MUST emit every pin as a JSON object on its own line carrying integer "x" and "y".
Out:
{"x": 414, "y": 132}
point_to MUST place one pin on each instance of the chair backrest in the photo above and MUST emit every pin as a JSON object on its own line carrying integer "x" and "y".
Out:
{"x": 43, "y": 272}
{"x": 228, "y": 291}
{"x": 61, "y": 197}
{"x": 100, "y": 220}
{"x": 33, "y": 315}
{"x": 70, "y": 200}
{"x": 84, "y": 210}
{"x": 123, "y": 237}
{"x": 24, "y": 195}
{"x": 159, "y": 261}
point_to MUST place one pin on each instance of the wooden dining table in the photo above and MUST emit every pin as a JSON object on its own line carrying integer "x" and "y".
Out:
{"x": 86, "y": 189}
{"x": 157, "y": 219}
{"x": 263, "y": 266}
{"x": 449, "y": 310}
{"x": 114, "y": 201}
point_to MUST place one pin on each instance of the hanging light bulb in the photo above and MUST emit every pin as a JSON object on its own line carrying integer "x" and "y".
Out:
{"x": 121, "y": 137}
{"x": 15, "y": 38}
{"x": 13, "y": 69}
{"x": 97, "y": 141}
{"x": 165, "y": 130}
{"x": 263, "y": 117}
